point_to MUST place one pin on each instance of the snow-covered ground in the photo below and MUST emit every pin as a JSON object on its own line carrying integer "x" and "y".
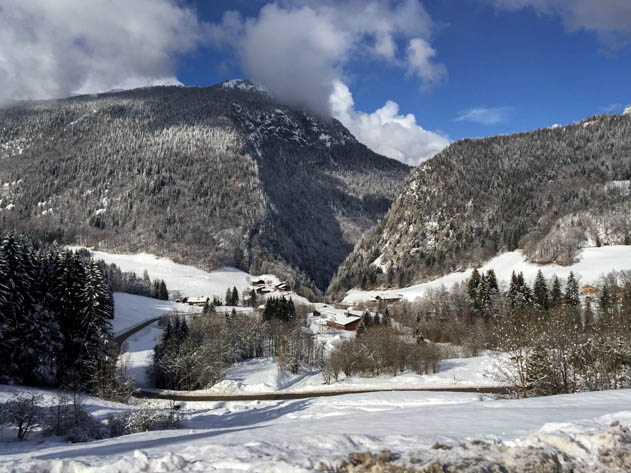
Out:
{"x": 593, "y": 263}
{"x": 188, "y": 281}
{"x": 301, "y": 435}
{"x": 131, "y": 311}
{"x": 262, "y": 376}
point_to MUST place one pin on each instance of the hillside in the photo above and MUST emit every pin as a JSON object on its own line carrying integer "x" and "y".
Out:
{"x": 218, "y": 176}
{"x": 548, "y": 192}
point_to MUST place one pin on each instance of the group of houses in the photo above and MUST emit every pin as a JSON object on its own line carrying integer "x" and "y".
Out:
{"x": 260, "y": 286}
{"x": 267, "y": 286}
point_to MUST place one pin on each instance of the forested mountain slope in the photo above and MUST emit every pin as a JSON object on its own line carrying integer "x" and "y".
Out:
{"x": 548, "y": 192}
{"x": 208, "y": 176}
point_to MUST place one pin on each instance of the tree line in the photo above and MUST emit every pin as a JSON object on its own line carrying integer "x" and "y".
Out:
{"x": 56, "y": 311}
{"x": 553, "y": 339}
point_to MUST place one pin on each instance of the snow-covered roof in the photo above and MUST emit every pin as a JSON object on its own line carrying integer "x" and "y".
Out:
{"x": 195, "y": 300}
{"x": 338, "y": 316}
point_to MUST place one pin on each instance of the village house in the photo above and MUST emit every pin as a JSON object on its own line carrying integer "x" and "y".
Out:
{"x": 198, "y": 301}
{"x": 589, "y": 290}
{"x": 341, "y": 320}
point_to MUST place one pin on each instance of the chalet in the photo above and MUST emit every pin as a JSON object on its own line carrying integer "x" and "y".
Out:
{"x": 258, "y": 283}
{"x": 589, "y": 290}
{"x": 388, "y": 298}
{"x": 198, "y": 301}
{"x": 340, "y": 320}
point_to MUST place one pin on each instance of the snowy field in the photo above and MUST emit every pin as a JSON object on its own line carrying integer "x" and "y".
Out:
{"x": 593, "y": 263}
{"x": 188, "y": 280}
{"x": 131, "y": 311}
{"x": 302, "y": 435}
{"x": 262, "y": 375}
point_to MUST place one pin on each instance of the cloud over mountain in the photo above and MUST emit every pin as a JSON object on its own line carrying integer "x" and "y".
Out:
{"x": 386, "y": 131}
{"x": 299, "y": 48}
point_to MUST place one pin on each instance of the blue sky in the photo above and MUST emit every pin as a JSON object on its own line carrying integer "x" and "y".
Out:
{"x": 524, "y": 63}
{"x": 405, "y": 76}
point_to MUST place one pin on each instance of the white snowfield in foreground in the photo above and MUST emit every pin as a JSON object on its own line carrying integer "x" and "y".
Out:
{"x": 299, "y": 435}
{"x": 593, "y": 263}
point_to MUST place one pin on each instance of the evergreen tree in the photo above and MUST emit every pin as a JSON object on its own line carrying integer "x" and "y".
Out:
{"x": 228, "y": 298}
{"x": 556, "y": 296}
{"x": 163, "y": 293}
{"x": 491, "y": 282}
{"x": 541, "y": 297}
{"x": 473, "y": 284}
{"x": 519, "y": 294}
{"x": 235, "y": 296}
{"x": 571, "y": 298}
{"x": 368, "y": 320}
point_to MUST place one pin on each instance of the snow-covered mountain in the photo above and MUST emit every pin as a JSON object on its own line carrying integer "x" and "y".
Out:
{"x": 549, "y": 192}
{"x": 218, "y": 176}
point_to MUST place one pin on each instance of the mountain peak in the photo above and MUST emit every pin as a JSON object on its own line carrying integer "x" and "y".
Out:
{"x": 244, "y": 84}
{"x": 627, "y": 111}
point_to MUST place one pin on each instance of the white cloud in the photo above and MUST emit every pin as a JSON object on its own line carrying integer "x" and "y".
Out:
{"x": 420, "y": 55}
{"x": 386, "y": 131}
{"x": 608, "y": 18}
{"x": 484, "y": 115}
{"x": 56, "y": 48}
{"x": 299, "y": 48}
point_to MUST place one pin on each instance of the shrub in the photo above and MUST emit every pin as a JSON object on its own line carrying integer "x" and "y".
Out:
{"x": 23, "y": 412}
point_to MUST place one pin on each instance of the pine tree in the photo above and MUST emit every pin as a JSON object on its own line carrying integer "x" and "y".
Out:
{"x": 491, "y": 281}
{"x": 540, "y": 292}
{"x": 235, "y": 296}
{"x": 163, "y": 293}
{"x": 513, "y": 290}
{"x": 571, "y": 292}
{"x": 228, "y": 298}
{"x": 556, "y": 296}
{"x": 473, "y": 284}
